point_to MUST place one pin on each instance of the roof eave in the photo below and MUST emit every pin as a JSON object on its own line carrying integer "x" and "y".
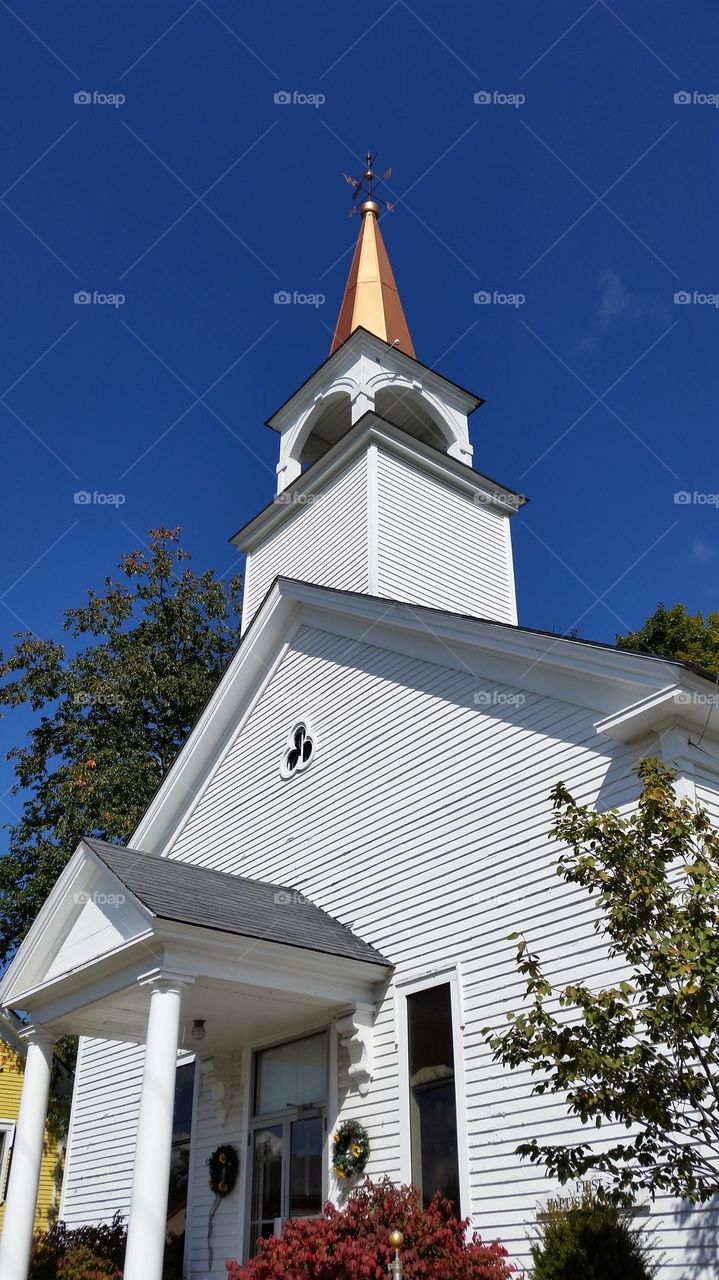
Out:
{"x": 425, "y": 456}
{"x": 357, "y": 338}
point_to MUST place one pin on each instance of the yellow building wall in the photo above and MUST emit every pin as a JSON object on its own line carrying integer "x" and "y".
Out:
{"x": 48, "y": 1199}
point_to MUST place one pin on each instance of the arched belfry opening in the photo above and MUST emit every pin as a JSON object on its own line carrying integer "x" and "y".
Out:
{"x": 331, "y": 420}
{"x": 406, "y": 408}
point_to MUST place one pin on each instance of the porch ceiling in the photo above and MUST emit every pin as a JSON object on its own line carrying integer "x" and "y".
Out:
{"x": 234, "y": 1014}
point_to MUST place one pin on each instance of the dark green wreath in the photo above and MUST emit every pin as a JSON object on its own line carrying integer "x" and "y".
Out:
{"x": 224, "y": 1166}
{"x": 350, "y": 1151}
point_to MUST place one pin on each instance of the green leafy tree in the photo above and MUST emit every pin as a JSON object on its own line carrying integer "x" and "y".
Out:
{"x": 674, "y": 633}
{"x": 112, "y": 711}
{"x": 644, "y": 1052}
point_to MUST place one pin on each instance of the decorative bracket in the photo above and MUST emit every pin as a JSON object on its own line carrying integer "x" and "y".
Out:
{"x": 216, "y": 1076}
{"x": 356, "y": 1030}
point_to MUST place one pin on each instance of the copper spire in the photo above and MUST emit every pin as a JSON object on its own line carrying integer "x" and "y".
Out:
{"x": 370, "y": 297}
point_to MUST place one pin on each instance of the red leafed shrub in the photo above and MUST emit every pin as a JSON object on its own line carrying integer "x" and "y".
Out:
{"x": 353, "y": 1243}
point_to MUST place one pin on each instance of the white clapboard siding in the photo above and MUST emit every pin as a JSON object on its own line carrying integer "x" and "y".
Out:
{"x": 103, "y": 1130}
{"x": 439, "y": 546}
{"x": 325, "y": 541}
{"x": 422, "y": 823}
{"x": 212, "y": 1130}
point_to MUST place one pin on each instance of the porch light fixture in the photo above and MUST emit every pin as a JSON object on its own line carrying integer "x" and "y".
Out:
{"x": 198, "y": 1029}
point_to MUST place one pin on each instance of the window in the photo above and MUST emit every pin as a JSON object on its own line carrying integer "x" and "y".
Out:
{"x": 432, "y": 1093}
{"x": 299, "y": 750}
{"x": 287, "y": 1134}
{"x": 7, "y": 1134}
{"x": 180, "y": 1160}
{"x": 291, "y": 1075}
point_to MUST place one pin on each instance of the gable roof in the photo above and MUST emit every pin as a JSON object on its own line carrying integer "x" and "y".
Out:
{"x": 607, "y": 678}
{"x": 512, "y": 627}
{"x": 188, "y": 894}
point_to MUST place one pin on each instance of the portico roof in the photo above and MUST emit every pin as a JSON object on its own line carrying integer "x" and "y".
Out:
{"x": 191, "y": 894}
{"x": 255, "y": 960}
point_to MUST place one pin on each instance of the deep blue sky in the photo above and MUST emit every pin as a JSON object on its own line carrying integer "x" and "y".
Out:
{"x": 492, "y": 197}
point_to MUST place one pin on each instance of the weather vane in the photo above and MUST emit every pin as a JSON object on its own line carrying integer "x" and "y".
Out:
{"x": 366, "y": 184}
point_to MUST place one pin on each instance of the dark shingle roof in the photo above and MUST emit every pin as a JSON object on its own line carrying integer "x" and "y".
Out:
{"x": 188, "y": 894}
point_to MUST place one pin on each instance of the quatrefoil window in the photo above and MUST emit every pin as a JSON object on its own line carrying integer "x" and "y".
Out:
{"x": 299, "y": 750}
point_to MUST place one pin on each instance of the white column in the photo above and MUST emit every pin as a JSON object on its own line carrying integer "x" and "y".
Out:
{"x": 21, "y": 1199}
{"x": 151, "y": 1178}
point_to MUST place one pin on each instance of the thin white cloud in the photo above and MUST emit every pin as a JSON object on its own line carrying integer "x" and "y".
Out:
{"x": 702, "y": 552}
{"x": 617, "y": 304}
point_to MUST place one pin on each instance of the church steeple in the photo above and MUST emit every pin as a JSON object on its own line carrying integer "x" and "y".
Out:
{"x": 371, "y": 300}
{"x": 376, "y": 493}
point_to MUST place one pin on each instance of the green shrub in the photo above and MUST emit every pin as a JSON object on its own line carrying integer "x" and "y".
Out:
{"x": 91, "y": 1253}
{"x": 585, "y": 1238}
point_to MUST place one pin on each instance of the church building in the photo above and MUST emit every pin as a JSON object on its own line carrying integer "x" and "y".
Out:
{"x": 311, "y": 922}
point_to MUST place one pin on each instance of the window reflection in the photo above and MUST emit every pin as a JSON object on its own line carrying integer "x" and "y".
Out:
{"x": 291, "y": 1075}
{"x": 433, "y": 1105}
{"x": 306, "y": 1167}
{"x": 180, "y": 1158}
{"x": 266, "y": 1181}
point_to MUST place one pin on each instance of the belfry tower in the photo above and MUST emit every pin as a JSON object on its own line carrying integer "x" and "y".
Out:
{"x": 376, "y": 491}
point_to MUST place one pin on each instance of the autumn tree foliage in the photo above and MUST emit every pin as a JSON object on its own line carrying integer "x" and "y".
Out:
{"x": 353, "y": 1243}
{"x": 641, "y": 1053}
{"x": 111, "y": 709}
